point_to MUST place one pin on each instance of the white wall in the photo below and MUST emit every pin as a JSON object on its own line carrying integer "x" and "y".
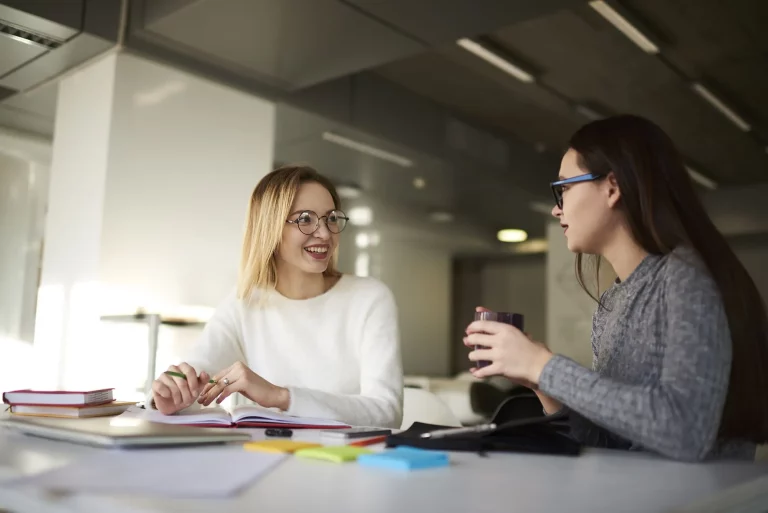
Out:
{"x": 150, "y": 180}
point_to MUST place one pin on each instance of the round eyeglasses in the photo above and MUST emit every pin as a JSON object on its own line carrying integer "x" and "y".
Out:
{"x": 308, "y": 221}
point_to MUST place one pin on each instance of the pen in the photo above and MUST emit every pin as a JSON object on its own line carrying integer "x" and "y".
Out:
{"x": 442, "y": 433}
{"x": 180, "y": 375}
{"x": 369, "y": 441}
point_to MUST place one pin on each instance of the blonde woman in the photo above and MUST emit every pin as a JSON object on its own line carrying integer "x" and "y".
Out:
{"x": 296, "y": 335}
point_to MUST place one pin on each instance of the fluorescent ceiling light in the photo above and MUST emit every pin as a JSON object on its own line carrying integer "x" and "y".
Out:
{"x": 588, "y": 112}
{"x": 419, "y": 182}
{"x": 367, "y": 149}
{"x": 496, "y": 60}
{"x": 624, "y": 26}
{"x": 701, "y": 179}
{"x": 348, "y": 191}
{"x": 441, "y": 217}
{"x": 512, "y": 235}
{"x": 541, "y": 207}
{"x": 722, "y": 107}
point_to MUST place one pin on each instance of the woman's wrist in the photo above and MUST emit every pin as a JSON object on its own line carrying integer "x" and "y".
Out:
{"x": 542, "y": 359}
{"x": 281, "y": 398}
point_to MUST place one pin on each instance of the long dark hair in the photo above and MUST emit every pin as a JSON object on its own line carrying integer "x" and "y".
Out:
{"x": 663, "y": 211}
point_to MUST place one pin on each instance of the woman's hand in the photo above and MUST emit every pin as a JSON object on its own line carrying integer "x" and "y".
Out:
{"x": 242, "y": 379}
{"x": 510, "y": 352}
{"x": 172, "y": 394}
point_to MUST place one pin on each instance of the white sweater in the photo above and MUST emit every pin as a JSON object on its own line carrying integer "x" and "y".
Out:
{"x": 338, "y": 353}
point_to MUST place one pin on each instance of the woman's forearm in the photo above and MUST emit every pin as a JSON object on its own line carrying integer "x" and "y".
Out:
{"x": 550, "y": 405}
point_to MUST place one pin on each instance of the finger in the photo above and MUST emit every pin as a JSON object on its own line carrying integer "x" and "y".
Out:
{"x": 168, "y": 381}
{"x": 482, "y": 309}
{"x": 214, "y": 391}
{"x": 481, "y": 354}
{"x": 490, "y": 327}
{"x": 181, "y": 383}
{"x": 480, "y": 339}
{"x": 160, "y": 389}
{"x": 191, "y": 374}
{"x": 226, "y": 393}
{"x": 487, "y": 371}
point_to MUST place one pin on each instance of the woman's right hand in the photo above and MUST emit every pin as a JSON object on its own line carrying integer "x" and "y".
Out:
{"x": 549, "y": 404}
{"x": 172, "y": 394}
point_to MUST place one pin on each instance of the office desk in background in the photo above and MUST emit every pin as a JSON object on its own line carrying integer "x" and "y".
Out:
{"x": 597, "y": 481}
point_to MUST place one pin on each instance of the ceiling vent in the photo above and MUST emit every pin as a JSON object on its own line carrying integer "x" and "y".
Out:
{"x": 27, "y": 36}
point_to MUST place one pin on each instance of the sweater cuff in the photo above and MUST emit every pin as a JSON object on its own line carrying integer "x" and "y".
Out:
{"x": 559, "y": 376}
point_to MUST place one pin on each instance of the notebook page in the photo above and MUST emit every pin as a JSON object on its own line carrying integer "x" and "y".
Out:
{"x": 208, "y": 416}
{"x": 254, "y": 413}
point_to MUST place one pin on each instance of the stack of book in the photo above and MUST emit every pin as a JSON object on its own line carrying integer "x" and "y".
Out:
{"x": 67, "y": 404}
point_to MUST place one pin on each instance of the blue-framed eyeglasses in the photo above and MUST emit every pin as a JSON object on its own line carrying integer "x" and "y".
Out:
{"x": 559, "y": 187}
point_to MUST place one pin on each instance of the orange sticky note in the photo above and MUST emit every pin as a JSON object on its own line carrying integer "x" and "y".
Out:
{"x": 279, "y": 446}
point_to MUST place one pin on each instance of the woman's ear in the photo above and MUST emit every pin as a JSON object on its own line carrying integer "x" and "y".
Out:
{"x": 614, "y": 193}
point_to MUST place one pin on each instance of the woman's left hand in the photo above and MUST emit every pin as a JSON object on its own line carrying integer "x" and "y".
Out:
{"x": 510, "y": 352}
{"x": 242, "y": 379}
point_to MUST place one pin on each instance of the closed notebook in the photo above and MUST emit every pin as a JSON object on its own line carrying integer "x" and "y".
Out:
{"x": 279, "y": 446}
{"x": 58, "y": 397}
{"x": 405, "y": 458}
{"x": 334, "y": 453}
{"x": 100, "y": 410}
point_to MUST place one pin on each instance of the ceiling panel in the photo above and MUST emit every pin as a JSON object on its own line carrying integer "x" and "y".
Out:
{"x": 580, "y": 58}
{"x": 438, "y": 21}
{"x": 723, "y": 42}
{"x": 289, "y": 44}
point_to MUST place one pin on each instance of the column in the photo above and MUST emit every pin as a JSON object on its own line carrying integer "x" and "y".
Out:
{"x": 569, "y": 308}
{"x": 151, "y": 174}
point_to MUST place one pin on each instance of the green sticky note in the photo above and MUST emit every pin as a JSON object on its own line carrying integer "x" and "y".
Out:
{"x": 333, "y": 453}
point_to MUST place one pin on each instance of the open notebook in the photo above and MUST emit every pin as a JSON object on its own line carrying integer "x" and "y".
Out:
{"x": 240, "y": 416}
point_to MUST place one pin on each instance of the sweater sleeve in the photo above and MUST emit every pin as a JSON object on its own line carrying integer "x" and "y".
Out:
{"x": 677, "y": 415}
{"x": 219, "y": 346}
{"x": 380, "y": 402}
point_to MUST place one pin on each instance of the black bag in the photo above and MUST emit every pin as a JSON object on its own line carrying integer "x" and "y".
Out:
{"x": 543, "y": 434}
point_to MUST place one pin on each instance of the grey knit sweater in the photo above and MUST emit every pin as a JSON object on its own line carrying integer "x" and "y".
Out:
{"x": 662, "y": 360}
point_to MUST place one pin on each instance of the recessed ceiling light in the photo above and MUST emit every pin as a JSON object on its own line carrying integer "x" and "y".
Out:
{"x": 512, "y": 235}
{"x": 441, "y": 217}
{"x": 362, "y": 240}
{"x": 419, "y": 182}
{"x": 360, "y": 216}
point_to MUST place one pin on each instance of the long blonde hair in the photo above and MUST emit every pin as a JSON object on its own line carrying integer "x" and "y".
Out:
{"x": 268, "y": 210}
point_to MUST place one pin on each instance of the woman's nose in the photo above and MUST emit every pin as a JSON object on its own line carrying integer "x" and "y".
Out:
{"x": 557, "y": 211}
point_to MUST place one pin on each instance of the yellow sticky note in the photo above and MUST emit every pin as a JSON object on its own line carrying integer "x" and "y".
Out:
{"x": 333, "y": 453}
{"x": 278, "y": 446}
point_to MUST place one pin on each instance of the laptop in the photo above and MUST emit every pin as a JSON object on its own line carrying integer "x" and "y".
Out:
{"x": 120, "y": 432}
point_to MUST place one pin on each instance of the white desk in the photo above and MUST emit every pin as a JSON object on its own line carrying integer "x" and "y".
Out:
{"x": 597, "y": 481}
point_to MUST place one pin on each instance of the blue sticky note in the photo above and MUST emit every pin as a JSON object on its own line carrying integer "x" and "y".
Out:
{"x": 405, "y": 458}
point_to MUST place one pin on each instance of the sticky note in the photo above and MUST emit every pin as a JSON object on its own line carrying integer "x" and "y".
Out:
{"x": 405, "y": 458}
{"x": 278, "y": 446}
{"x": 334, "y": 453}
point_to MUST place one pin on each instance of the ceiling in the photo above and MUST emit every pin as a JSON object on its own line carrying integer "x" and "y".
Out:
{"x": 579, "y": 58}
{"x": 389, "y": 74}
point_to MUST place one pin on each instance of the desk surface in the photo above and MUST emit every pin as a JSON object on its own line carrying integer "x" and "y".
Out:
{"x": 597, "y": 481}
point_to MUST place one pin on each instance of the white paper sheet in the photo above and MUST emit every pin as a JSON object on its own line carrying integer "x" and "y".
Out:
{"x": 199, "y": 472}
